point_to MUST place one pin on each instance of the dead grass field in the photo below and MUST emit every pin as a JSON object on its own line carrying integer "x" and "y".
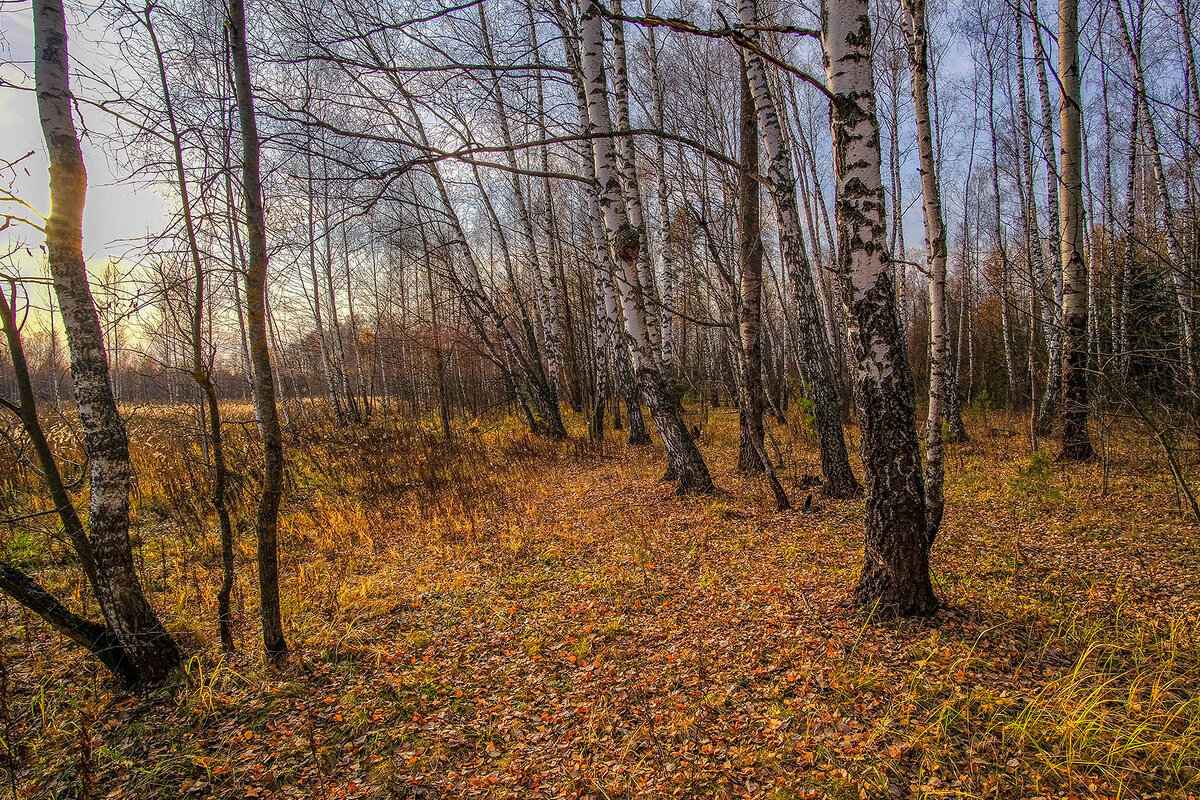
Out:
{"x": 510, "y": 618}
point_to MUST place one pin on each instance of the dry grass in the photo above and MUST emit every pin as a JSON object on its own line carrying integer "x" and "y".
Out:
{"x": 506, "y": 617}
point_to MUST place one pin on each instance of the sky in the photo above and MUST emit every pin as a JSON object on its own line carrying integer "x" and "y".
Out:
{"x": 114, "y": 212}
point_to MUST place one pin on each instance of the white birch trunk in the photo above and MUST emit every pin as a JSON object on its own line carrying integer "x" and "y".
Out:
{"x": 685, "y": 464}
{"x": 835, "y": 463}
{"x": 895, "y": 577}
{"x": 148, "y": 646}
{"x": 1077, "y": 443}
{"x": 626, "y": 166}
{"x": 665, "y": 257}
{"x": 935, "y": 254}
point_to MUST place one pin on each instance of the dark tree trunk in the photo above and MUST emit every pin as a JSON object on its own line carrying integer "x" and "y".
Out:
{"x": 94, "y": 637}
{"x": 263, "y": 386}
{"x": 810, "y": 320}
{"x": 97, "y": 638}
{"x": 200, "y": 365}
{"x": 750, "y": 405}
{"x": 1076, "y": 441}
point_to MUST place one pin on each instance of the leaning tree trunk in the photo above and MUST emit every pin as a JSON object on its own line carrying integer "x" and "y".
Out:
{"x": 1077, "y": 443}
{"x": 263, "y": 385}
{"x": 626, "y": 165}
{"x": 96, "y": 638}
{"x": 609, "y": 320}
{"x": 935, "y": 250}
{"x": 552, "y": 347}
{"x": 1041, "y": 313}
{"x": 200, "y": 365}
{"x": 529, "y": 375}
{"x": 895, "y": 576}
{"x": 149, "y": 647}
{"x": 810, "y": 328}
{"x": 685, "y": 464}
{"x": 610, "y": 325}
{"x": 559, "y": 310}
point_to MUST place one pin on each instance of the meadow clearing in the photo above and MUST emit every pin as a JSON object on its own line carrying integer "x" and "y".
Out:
{"x": 506, "y": 616}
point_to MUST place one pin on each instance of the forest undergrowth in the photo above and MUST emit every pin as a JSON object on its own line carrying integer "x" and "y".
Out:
{"x": 505, "y": 616}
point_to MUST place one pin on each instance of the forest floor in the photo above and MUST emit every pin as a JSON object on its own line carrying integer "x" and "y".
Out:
{"x": 511, "y": 618}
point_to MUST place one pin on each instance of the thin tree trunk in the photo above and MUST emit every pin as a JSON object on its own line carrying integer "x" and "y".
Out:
{"x": 666, "y": 259}
{"x": 1042, "y": 319}
{"x": 557, "y": 307}
{"x": 553, "y": 344}
{"x": 200, "y": 365}
{"x": 97, "y": 638}
{"x": 1002, "y": 288}
{"x": 626, "y": 166}
{"x": 685, "y": 464}
{"x": 267, "y": 521}
{"x": 935, "y": 249}
{"x": 1077, "y": 443}
{"x": 750, "y": 402}
{"x": 337, "y": 342}
{"x": 1041, "y": 312}
{"x": 439, "y": 353}
{"x": 1127, "y": 255}
{"x": 1053, "y": 391}
{"x": 835, "y": 462}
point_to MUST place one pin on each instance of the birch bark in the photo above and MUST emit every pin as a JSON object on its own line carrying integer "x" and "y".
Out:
{"x": 1183, "y": 296}
{"x": 149, "y": 647}
{"x": 685, "y": 464}
{"x": 935, "y": 254}
{"x": 895, "y": 577}
{"x": 1053, "y": 391}
{"x": 1076, "y": 440}
{"x": 839, "y": 480}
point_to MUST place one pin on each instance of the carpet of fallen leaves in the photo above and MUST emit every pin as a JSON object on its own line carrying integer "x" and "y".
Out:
{"x": 508, "y": 617}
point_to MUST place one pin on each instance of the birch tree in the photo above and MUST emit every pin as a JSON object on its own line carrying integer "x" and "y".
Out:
{"x": 750, "y": 262}
{"x": 685, "y": 464}
{"x": 149, "y": 647}
{"x": 895, "y": 576}
{"x": 839, "y": 480}
{"x": 935, "y": 259}
{"x": 1076, "y": 440}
